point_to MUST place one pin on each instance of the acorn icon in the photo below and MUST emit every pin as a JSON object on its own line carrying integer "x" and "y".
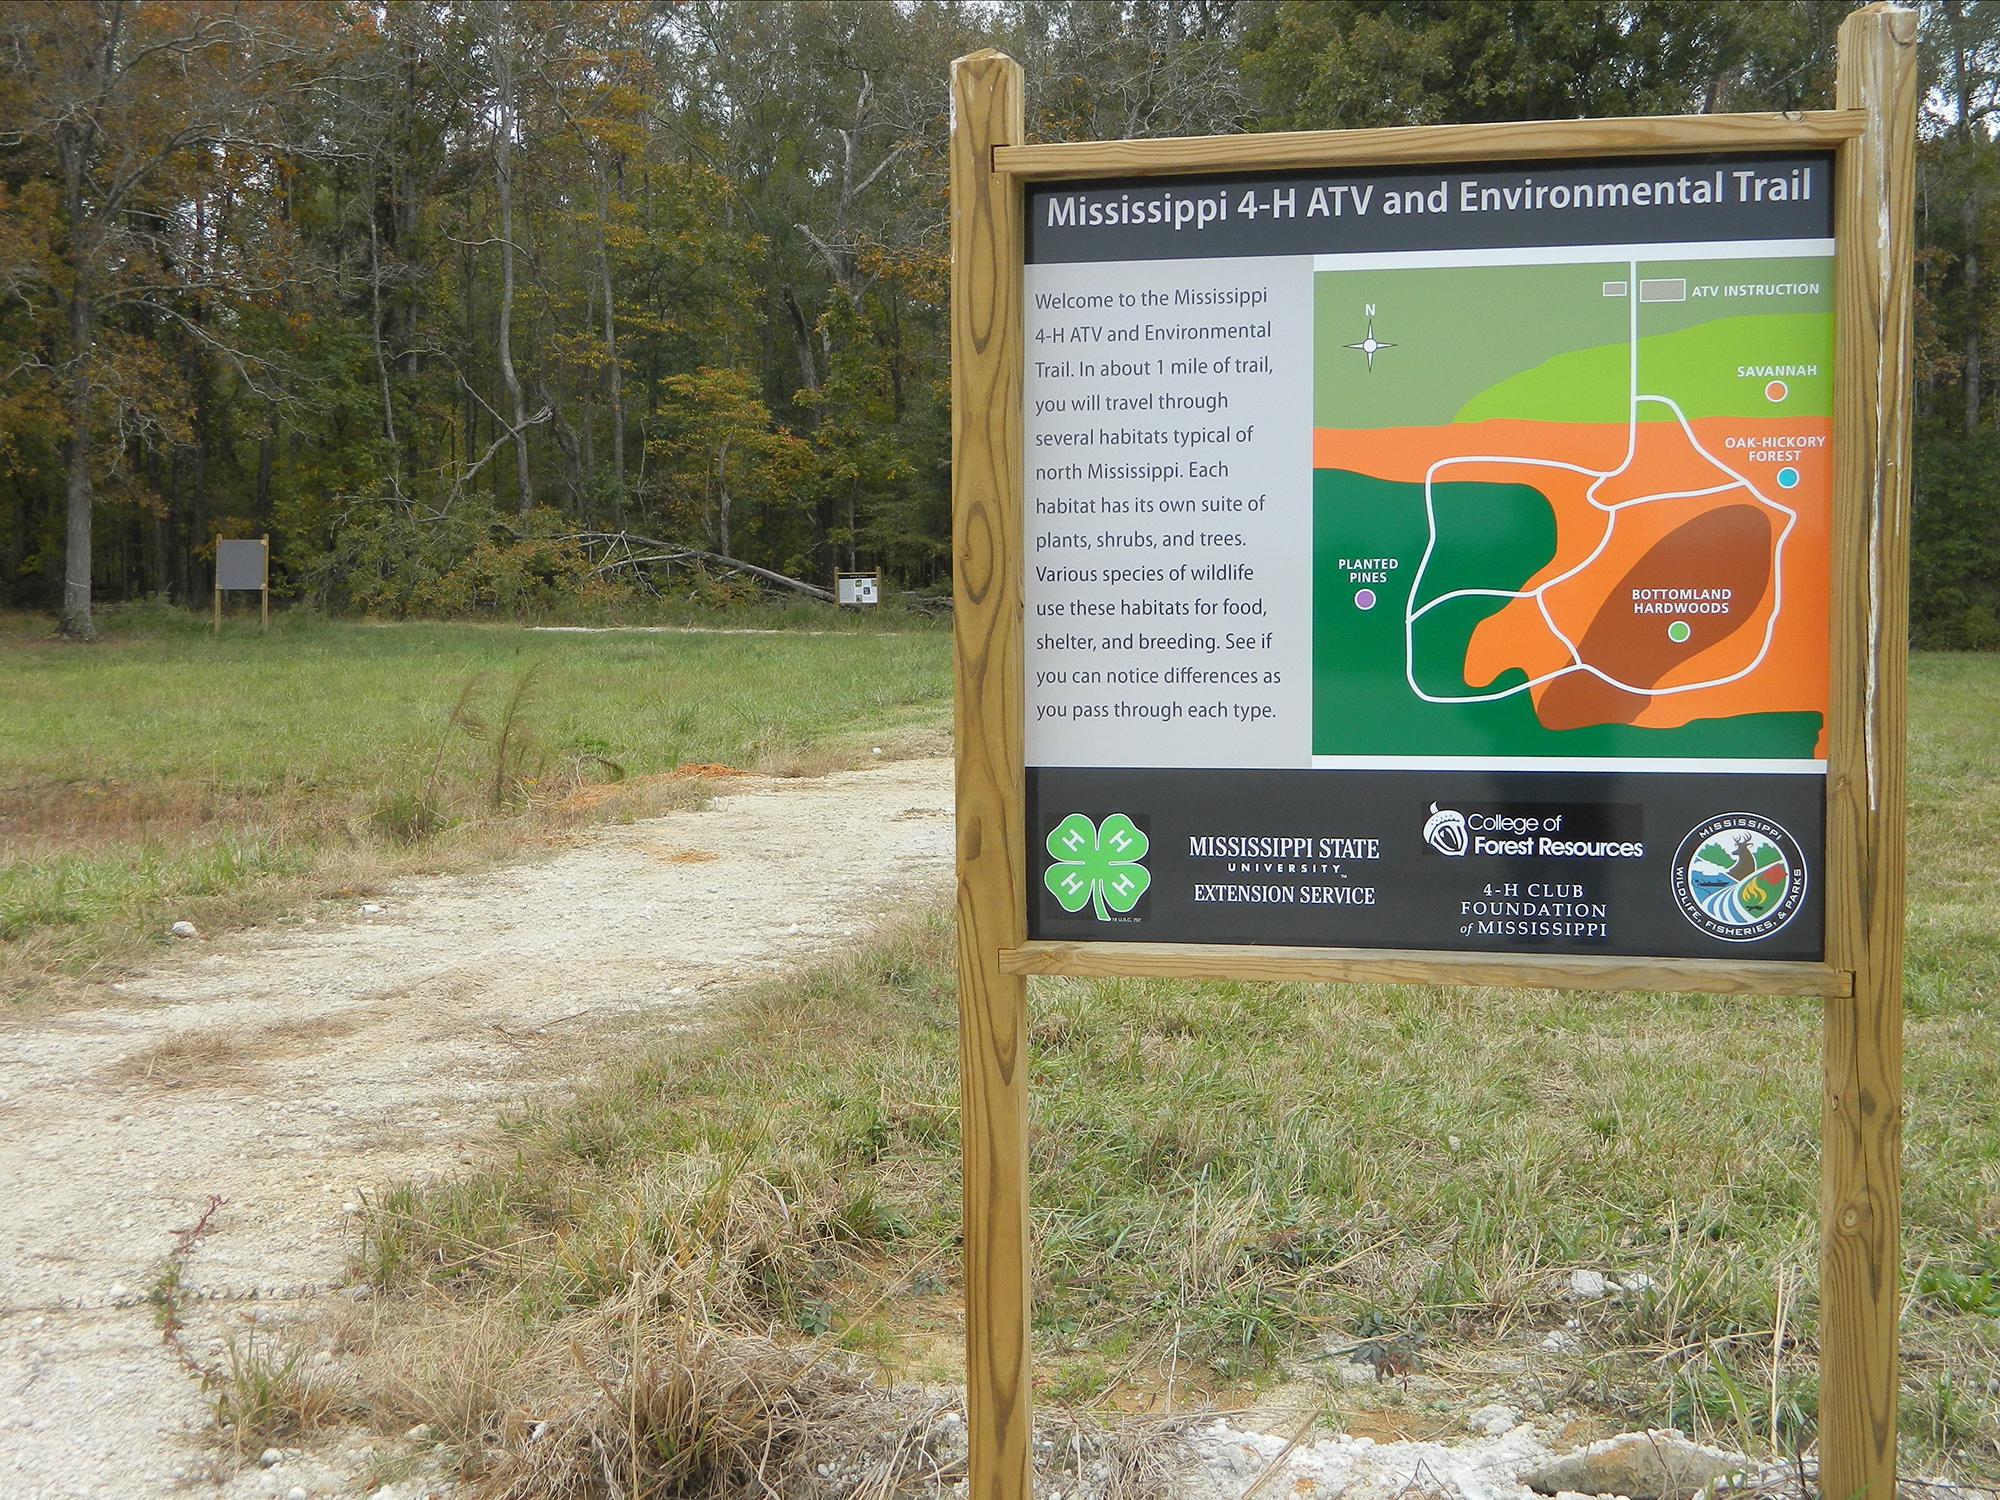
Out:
{"x": 1444, "y": 831}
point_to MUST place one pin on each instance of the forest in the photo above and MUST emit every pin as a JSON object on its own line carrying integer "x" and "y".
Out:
{"x": 523, "y": 307}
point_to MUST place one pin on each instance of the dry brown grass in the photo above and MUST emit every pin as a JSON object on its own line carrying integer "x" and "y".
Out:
{"x": 644, "y": 1398}
{"x": 648, "y": 1344}
{"x": 221, "y": 1056}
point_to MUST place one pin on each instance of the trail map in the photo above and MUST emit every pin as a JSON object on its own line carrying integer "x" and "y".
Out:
{"x": 1573, "y": 510}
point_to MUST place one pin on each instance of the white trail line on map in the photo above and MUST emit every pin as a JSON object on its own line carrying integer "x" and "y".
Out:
{"x": 1599, "y": 476}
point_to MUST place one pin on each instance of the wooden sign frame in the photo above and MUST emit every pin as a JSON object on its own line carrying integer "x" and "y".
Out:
{"x": 1872, "y": 135}
{"x": 263, "y": 588}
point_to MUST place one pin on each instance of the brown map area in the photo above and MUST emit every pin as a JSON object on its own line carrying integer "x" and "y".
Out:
{"x": 1729, "y": 548}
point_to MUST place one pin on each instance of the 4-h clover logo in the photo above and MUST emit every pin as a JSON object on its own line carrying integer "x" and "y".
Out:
{"x": 1098, "y": 864}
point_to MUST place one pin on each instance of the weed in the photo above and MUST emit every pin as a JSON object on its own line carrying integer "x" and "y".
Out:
{"x": 266, "y": 1392}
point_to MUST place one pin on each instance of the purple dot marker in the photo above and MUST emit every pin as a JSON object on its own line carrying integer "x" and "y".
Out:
{"x": 1365, "y": 599}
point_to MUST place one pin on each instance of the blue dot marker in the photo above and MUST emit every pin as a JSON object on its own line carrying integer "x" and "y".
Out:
{"x": 1788, "y": 478}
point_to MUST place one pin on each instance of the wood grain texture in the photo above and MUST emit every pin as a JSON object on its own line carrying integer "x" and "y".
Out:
{"x": 1411, "y": 966}
{"x": 1528, "y": 140}
{"x": 1861, "y": 1118}
{"x": 986, "y": 447}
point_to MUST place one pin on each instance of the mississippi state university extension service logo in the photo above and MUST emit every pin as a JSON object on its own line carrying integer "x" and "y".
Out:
{"x": 1739, "y": 877}
{"x": 1097, "y": 864}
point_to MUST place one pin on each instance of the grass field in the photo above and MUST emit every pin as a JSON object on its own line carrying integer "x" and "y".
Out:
{"x": 165, "y": 774}
{"x": 1228, "y": 1178}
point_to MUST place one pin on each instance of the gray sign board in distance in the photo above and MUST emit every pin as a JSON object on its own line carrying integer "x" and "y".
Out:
{"x": 239, "y": 565}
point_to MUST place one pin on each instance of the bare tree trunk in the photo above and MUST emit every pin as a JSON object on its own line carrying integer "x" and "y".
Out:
{"x": 802, "y": 341}
{"x": 617, "y": 372}
{"x": 503, "y": 183}
{"x": 76, "y": 621}
{"x": 1974, "y": 322}
{"x": 381, "y": 360}
{"x": 722, "y": 498}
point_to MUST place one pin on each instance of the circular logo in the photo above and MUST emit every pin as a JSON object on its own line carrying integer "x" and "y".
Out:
{"x": 1739, "y": 877}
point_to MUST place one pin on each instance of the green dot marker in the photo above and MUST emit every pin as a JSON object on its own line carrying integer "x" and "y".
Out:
{"x": 1678, "y": 632}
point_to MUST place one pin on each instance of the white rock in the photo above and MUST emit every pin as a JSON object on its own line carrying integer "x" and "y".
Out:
{"x": 1632, "y": 1283}
{"x": 297, "y": 1492}
{"x": 420, "y": 1433}
{"x": 184, "y": 929}
{"x": 1494, "y": 1420}
{"x": 350, "y": 1207}
{"x": 271, "y": 1458}
{"x": 371, "y": 908}
{"x": 119, "y": 1292}
{"x": 875, "y": 750}
{"x": 1588, "y": 1286}
{"x": 1562, "y": 1343}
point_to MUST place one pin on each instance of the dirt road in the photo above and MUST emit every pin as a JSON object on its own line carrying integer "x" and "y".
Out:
{"x": 287, "y": 1070}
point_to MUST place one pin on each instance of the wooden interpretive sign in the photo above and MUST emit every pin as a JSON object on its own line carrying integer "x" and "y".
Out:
{"x": 244, "y": 565}
{"x": 1455, "y": 555}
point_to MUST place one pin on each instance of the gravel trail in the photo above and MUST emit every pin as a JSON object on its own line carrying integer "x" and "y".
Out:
{"x": 286, "y": 1069}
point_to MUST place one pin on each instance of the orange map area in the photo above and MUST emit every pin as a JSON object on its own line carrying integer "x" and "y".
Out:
{"x": 1683, "y": 581}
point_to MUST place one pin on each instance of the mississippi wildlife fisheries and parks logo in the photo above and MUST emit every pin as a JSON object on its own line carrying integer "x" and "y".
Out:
{"x": 1739, "y": 877}
{"x": 1099, "y": 865}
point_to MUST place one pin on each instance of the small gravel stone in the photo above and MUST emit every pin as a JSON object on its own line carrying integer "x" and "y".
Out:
{"x": 271, "y": 1458}
{"x": 184, "y": 929}
{"x": 1588, "y": 1286}
{"x": 1494, "y": 1420}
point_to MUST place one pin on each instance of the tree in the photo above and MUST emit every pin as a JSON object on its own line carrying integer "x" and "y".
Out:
{"x": 151, "y": 116}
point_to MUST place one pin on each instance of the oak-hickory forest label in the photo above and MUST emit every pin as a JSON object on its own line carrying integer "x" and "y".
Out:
{"x": 1432, "y": 559}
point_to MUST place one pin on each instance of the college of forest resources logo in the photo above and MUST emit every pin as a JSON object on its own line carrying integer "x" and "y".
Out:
{"x": 1099, "y": 865}
{"x": 1739, "y": 877}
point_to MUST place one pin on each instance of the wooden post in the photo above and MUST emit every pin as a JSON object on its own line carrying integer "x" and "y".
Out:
{"x": 1861, "y": 1114}
{"x": 218, "y": 583}
{"x": 266, "y": 622}
{"x": 986, "y": 249}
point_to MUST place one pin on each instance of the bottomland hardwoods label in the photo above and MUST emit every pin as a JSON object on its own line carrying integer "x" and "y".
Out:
{"x": 1545, "y": 862}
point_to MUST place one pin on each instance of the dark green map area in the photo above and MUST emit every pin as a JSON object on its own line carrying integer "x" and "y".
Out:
{"x": 1493, "y": 537}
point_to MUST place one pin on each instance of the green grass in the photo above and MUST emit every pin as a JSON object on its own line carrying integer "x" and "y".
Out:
{"x": 165, "y": 773}
{"x": 1225, "y": 1175}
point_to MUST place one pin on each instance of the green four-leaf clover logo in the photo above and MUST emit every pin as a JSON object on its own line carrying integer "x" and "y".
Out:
{"x": 1098, "y": 864}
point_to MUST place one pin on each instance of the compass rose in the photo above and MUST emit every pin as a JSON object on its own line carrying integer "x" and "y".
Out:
{"x": 1369, "y": 345}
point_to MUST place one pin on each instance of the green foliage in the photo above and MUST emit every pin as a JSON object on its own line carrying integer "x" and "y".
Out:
{"x": 1955, "y": 543}
{"x": 400, "y": 564}
{"x": 729, "y": 316}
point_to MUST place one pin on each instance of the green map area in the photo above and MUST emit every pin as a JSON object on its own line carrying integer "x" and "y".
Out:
{"x": 1545, "y": 343}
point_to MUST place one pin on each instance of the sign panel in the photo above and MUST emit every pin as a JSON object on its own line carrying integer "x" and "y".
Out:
{"x": 1432, "y": 559}
{"x": 860, "y": 590}
{"x": 239, "y": 564}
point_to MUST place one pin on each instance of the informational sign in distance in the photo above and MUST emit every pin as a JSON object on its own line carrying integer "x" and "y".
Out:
{"x": 240, "y": 564}
{"x": 1432, "y": 559}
